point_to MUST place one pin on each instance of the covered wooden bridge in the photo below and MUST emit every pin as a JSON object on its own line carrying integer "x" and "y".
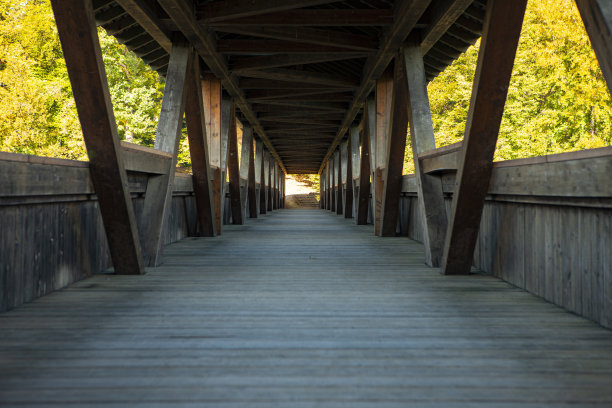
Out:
{"x": 245, "y": 303}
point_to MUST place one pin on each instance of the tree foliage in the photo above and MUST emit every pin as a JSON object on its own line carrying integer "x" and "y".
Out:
{"x": 557, "y": 101}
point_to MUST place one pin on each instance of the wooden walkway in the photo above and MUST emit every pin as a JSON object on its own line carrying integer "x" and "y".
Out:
{"x": 299, "y": 308}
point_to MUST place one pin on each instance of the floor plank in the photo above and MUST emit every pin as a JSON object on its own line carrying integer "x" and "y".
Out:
{"x": 299, "y": 308}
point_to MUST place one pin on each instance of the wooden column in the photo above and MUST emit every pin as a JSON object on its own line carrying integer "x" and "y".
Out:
{"x": 234, "y": 169}
{"x": 198, "y": 149}
{"x": 501, "y": 32}
{"x": 429, "y": 187}
{"x": 369, "y": 122}
{"x": 248, "y": 140}
{"x": 245, "y": 160}
{"x": 354, "y": 166}
{"x": 270, "y": 169}
{"x": 348, "y": 175}
{"x": 275, "y": 184}
{"x": 396, "y": 146}
{"x": 332, "y": 181}
{"x": 260, "y": 154}
{"x": 158, "y": 197}
{"x": 328, "y": 186}
{"x": 77, "y": 31}
{"x": 283, "y": 186}
{"x": 322, "y": 189}
{"x": 597, "y": 18}
{"x": 227, "y": 106}
{"x": 339, "y": 191}
{"x": 384, "y": 94}
{"x": 211, "y": 94}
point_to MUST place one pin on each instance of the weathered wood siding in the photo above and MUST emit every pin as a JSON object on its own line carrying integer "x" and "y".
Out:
{"x": 546, "y": 228}
{"x": 51, "y": 231}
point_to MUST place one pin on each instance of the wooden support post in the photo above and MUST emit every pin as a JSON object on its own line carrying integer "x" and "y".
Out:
{"x": 270, "y": 185}
{"x": 260, "y": 154}
{"x": 321, "y": 189}
{"x": 283, "y": 186}
{"x": 429, "y": 187}
{"x": 158, "y": 197}
{"x": 328, "y": 186}
{"x": 384, "y": 104}
{"x": 354, "y": 166}
{"x": 211, "y": 94}
{"x": 233, "y": 168}
{"x": 501, "y": 33}
{"x": 227, "y": 106}
{"x": 275, "y": 184}
{"x": 339, "y": 191}
{"x": 332, "y": 182}
{"x": 198, "y": 149}
{"x": 77, "y": 31}
{"x": 347, "y": 173}
{"x": 245, "y": 161}
{"x": 369, "y": 123}
{"x": 597, "y": 18}
{"x": 396, "y": 146}
{"x": 247, "y": 139}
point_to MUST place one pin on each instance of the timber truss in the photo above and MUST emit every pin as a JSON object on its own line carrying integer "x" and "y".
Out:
{"x": 310, "y": 86}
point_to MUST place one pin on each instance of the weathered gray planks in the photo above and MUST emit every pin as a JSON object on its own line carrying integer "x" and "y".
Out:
{"x": 221, "y": 325}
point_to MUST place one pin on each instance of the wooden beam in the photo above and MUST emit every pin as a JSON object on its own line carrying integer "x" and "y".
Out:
{"x": 260, "y": 168}
{"x": 158, "y": 198}
{"x": 429, "y": 187}
{"x": 302, "y": 77}
{"x": 304, "y": 35}
{"x": 348, "y": 199}
{"x": 407, "y": 15}
{"x": 270, "y": 185}
{"x": 355, "y": 166}
{"x": 369, "y": 123}
{"x": 183, "y": 16}
{"x": 257, "y": 96}
{"x": 275, "y": 61}
{"x": 269, "y": 46}
{"x": 148, "y": 20}
{"x": 396, "y": 146}
{"x": 77, "y": 31}
{"x": 233, "y": 169}
{"x": 198, "y": 150}
{"x": 268, "y": 84}
{"x": 319, "y": 17}
{"x": 494, "y": 67}
{"x": 339, "y": 206}
{"x": 384, "y": 107}
{"x": 228, "y": 9}
{"x": 445, "y": 13}
{"x": 597, "y": 18}
{"x": 252, "y": 180}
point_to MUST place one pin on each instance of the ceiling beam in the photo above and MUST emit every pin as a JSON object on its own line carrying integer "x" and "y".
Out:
{"x": 276, "y": 61}
{"x": 269, "y": 46}
{"x": 407, "y": 14}
{"x": 302, "y": 77}
{"x": 228, "y": 9}
{"x": 305, "y": 35}
{"x": 267, "y": 84}
{"x": 183, "y": 16}
{"x": 444, "y": 15}
{"x": 326, "y": 106}
{"x": 140, "y": 11}
{"x": 326, "y": 17}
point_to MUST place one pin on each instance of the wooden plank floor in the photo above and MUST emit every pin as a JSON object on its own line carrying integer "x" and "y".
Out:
{"x": 300, "y": 308}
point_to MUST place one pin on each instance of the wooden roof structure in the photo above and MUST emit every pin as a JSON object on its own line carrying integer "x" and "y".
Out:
{"x": 299, "y": 70}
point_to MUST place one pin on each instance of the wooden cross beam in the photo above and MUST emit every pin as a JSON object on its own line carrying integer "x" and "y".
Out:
{"x": 429, "y": 187}
{"x": 230, "y": 9}
{"x": 158, "y": 197}
{"x": 501, "y": 33}
{"x": 77, "y": 31}
{"x": 276, "y": 61}
{"x": 318, "y": 17}
{"x": 198, "y": 150}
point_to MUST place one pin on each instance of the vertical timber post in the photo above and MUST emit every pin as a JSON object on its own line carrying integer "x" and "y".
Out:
{"x": 233, "y": 168}
{"x": 501, "y": 33}
{"x": 384, "y": 93}
{"x": 211, "y": 95}
{"x": 198, "y": 150}
{"x": 369, "y": 122}
{"x": 251, "y": 179}
{"x": 348, "y": 196}
{"x": 339, "y": 181}
{"x": 354, "y": 166}
{"x": 396, "y": 146}
{"x": 77, "y": 31}
{"x": 597, "y": 18}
